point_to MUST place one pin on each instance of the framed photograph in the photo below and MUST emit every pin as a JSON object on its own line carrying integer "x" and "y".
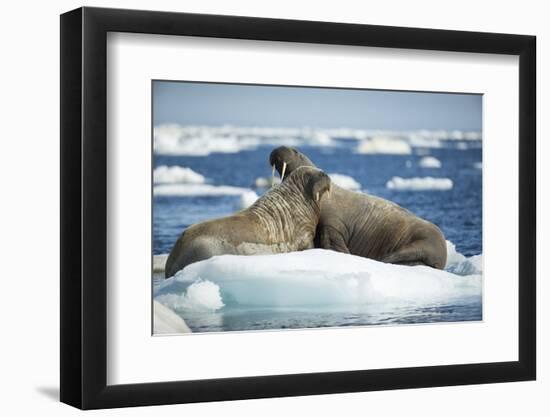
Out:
{"x": 257, "y": 208}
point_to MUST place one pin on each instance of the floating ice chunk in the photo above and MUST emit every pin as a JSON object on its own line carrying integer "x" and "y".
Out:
{"x": 165, "y": 321}
{"x": 470, "y": 266}
{"x": 193, "y": 190}
{"x": 312, "y": 278}
{"x": 175, "y": 174}
{"x": 457, "y": 135}
{"x": 200, "y": 295}
{"x": 419, "y": 141}
{"x": 472, "y": 135}
{"x": 345, "y": 181}
{"x": 262, "y": 182}
{"x": 430, "y": 162}
{"x": 174, "y": 139}
{"x": 246, "y": 199}
{"x": 383, "y": 145}
{"x": 159, "y": 262}
{"x": 478, "y": 165}
{"x": 419, "y": 184}
{"x": 453, "y": 256}
{"x": 458, "y": 264}
{"x": 320, "y": 138}
{"x": 462, "y": 146}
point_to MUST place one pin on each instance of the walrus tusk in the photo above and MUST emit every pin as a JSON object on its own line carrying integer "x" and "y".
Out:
{"x": 283, "y": 172}
{"x": 317, "y": 197}
{"x": 272, "y": 175}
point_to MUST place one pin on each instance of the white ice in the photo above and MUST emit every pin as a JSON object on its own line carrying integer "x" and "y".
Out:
{"x": 246, "y": 199}
{"x": 383, "y": 145}
{"x": 315, "y": 277}
{"x": 419, "y": 184}
{"x": 430, "y": 162}
{"x": 345, "y": 181}
{"x": 263, "y": 182}
{"x": 422, "y": 141}
{"x": 461, "y": 265}
{"x": 159, "y": 262}
{"x": 199, "y": 296}
{"x": 174, "y": 139}
{"x": 193, "y": 190}
{"x": 176, "y": 174}
{"x": 167, "y": 321}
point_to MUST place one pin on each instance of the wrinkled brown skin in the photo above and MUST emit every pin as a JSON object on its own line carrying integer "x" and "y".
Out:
{"x": 369, "y": 226}
{"x": 282, "y": 220}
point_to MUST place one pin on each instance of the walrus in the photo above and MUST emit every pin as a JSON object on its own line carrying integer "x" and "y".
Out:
{"x": 368, "y": 226}
{"x": 282, "y": 220}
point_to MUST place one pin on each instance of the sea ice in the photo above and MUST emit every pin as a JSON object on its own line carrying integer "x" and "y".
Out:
{"x": 167, "y": 321}
{"x": 419, "y": 184}
{"x": 246, "y": 199}
{"x": 383, "y": 145}
{"x": 175, "y": 174}
{"x": 197, "y": 190}
{"x": 263, "y": 182}
{"x": 174, "y": 139}
{"x": 430, "y": 162}
{"x": 309, "y": 278}
{"x": 421, "y": 141}
{"x": 345, "y": 181}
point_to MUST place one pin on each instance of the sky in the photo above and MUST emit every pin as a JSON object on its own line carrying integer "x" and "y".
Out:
{"x": 211, "y": 104}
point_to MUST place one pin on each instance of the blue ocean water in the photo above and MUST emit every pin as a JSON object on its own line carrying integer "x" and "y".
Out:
{"x": 254, "y": 318}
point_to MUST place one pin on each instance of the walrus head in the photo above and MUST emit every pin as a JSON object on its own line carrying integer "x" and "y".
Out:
{"x": 314, "y": 182}
{"x": 285, "y": 160}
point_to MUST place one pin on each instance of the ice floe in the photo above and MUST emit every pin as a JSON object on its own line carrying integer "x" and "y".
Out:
{"x": 176, "y": 174}
{"x": 263, "y": 182}
{"x": 246, "y": 199}
{"x": 419, "y": 184}
{"x": 197, "y": 190}
{"x": 174, "y": 139}
{"x": 200, "y": 295}
{"x": 167, "y": 321}
{"x": 419, "y": 141}
{"x": 309, "y": 278}
{"x": 383, "y": 145}
{"x": 345, "y": 181}
{"x": 459, "y": 264}
{"x": 430, "y": 162}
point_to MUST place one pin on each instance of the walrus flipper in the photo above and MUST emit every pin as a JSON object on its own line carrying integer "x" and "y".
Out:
{"x": 329, "y": 238}
{"x": 411, "y": 255}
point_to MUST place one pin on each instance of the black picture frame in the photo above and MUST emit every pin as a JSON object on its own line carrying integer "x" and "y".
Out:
{"x": 84, "y": 207}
